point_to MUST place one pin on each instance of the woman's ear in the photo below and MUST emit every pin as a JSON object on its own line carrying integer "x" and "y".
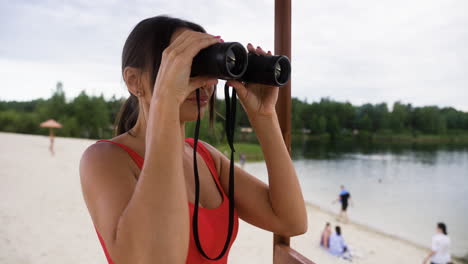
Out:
{"x": 132, "y": 77}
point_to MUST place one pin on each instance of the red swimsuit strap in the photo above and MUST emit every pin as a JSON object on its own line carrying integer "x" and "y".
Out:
{"x": 135, "y": 156}
{"x": 201, "y": 149}
{"x": 206, "y": 155}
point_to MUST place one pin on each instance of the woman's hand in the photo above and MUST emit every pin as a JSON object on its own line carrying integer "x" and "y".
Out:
{"x": 173, "y": 80}
{"x": 258, "y": 100}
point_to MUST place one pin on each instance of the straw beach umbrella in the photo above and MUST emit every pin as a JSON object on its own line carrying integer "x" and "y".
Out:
{"x": 51, "y": 124}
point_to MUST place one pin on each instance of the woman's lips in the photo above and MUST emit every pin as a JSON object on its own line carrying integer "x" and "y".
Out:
{"x": 203, "y": 100}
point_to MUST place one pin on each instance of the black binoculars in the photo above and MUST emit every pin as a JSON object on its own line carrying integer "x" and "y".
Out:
{"x": 230, "y": 60}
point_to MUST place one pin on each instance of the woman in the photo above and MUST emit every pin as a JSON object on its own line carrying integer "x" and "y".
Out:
{"x": 142, "y": 208}
{"x": 440, "y": 249}
{"x": 337, "y": 245}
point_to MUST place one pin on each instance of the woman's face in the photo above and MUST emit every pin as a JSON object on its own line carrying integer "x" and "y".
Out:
{"x": 188, "y": 109}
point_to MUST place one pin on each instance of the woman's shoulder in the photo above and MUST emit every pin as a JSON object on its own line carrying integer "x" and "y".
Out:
{"x": 109, "y": 148}
{"x": 104, "y": 155}
{"x": 105, "y": 148}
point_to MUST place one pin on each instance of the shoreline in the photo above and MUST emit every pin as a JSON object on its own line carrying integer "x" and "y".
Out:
{"x": 374, "y": 230}
{"x": 367, "y": 245}
{"x": 368, "y": 228}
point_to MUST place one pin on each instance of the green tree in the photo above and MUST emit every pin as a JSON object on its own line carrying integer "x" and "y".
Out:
{"x": 400, "y": 117}
{"x": 319, "y": 124}
{"x": 92, "y": 115}
{"x": 333, "y": 126}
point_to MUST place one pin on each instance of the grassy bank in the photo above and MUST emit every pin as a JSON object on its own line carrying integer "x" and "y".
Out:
{"x": 253, "y": 152}
{"x": 367, "y": 137}
{"x": 325, "y": 146}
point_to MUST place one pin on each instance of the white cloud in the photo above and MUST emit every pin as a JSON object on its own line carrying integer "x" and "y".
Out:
{"x": 360, "y": 51}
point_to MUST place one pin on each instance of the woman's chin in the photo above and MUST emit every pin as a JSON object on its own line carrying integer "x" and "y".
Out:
{"x": 189, "y": 111}
{"x": 192, "y": 116}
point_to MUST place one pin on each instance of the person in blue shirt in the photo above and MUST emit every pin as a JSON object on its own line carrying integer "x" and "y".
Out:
{"x": 344, "y": 198}
{"x": 337, "y": 245}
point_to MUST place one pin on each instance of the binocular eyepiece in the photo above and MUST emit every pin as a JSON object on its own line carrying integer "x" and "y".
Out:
{"x": 230, "y": 61}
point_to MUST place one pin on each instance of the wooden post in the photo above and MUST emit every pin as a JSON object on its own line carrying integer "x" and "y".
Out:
{"x": 282, "y": 253}
{"x": 283, "y": 105}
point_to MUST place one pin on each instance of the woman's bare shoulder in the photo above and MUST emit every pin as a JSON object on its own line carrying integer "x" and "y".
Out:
{"x": 102, "y": 152}
{"x": 104, "y": 157}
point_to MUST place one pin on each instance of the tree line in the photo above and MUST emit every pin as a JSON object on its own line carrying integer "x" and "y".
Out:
{"x": 93, "y": 117}
{"x": 332, "y": 117}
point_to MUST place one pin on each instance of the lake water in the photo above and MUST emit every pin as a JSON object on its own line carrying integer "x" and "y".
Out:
{"x": 403, "y": 190}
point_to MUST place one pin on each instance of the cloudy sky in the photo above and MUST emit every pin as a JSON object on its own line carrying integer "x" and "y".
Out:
{"x": 358, "y": 51}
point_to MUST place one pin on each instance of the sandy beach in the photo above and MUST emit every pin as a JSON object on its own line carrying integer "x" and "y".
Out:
{"x": 43, "y": 218}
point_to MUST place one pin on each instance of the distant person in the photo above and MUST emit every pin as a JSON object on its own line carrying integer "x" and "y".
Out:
{"x": 242, "y": 159}
{"x": 440, "y": 249}
{"x": 51, "y": 147}
{"x": 337, "y": 245}
{"x": 51, "y": 124}
{"x": 325, "y": 237}
{"x": 344, "y": 198}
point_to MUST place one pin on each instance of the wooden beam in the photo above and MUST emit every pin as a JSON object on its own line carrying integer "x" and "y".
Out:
{"x": 283, "y": 47}
{"x": 282, "y": 253}
{"x": 283, "y": 105}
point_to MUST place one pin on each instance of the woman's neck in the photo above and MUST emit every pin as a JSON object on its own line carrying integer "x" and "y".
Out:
{"x": 139, "y": 132}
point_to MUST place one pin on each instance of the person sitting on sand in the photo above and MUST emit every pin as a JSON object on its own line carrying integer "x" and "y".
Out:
{"x": 325, "y": 238}
{"x": 337, "y": 245}
{"x": 440, "y": 249}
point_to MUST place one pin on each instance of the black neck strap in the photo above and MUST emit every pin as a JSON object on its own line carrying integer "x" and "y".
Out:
{"x": 229, "y": 127}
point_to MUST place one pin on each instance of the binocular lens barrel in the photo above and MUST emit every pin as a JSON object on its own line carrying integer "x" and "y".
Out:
{"x": 269, "y": 70}
{"x": 230, "y": 61}
{"x": 223, "y": 60}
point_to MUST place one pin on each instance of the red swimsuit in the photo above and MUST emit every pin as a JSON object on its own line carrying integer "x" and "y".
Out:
{"x": 213, "y": 223}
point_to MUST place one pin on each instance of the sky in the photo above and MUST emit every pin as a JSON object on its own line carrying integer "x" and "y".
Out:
{"x": 357, "y": 51}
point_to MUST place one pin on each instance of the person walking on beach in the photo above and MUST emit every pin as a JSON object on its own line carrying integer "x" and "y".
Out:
{"x": 338, "y": 245}
{"x": 51, "y": 124}
{"x": 51, "y": 146}
{"x": 139, "y": 186}
{"x": 440, "y": 248}
{"x": 344, "y": 198}
{"x": 325, "y": 237}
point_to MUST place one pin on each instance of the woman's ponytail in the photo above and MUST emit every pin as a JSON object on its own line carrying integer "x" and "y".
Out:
{"x": 128, "y": 115}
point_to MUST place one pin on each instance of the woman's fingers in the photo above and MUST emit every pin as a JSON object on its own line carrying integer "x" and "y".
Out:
{"x": 193, "y": 43}
{"x": 198, "y": 44}
{"x": 180, "y": 39}
{"x": 240, "y": 88}
{"x": 174, "y": 48}
{"x": 250, "y": 48}
{"x": 261, "y": 51}
{"x": 258, "y": 50}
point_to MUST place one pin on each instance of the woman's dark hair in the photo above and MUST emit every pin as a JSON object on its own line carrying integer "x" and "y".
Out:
{"x": 143, "y": 49}
{"x": 442, "y": 227}
{"x": 338, "y": 230}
